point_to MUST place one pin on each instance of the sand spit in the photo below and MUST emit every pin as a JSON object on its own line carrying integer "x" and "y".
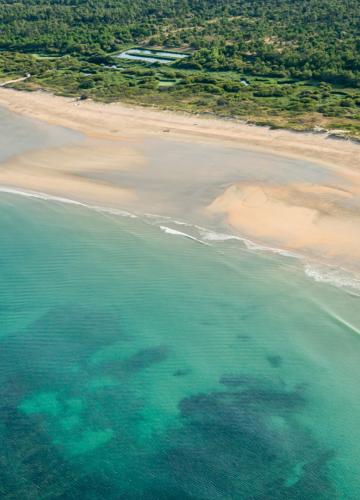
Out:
{"x": 299, "y": 217}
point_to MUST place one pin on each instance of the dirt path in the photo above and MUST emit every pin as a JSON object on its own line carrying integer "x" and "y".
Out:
{"x": 23, "y": 78}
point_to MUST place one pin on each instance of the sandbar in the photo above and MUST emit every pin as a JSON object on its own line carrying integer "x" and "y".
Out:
{"x": 313, "y": 215}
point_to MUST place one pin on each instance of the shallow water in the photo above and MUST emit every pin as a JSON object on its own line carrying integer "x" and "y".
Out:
{"x": 138, "y": 363}
{"x": 19, "y": 134}
{"x": 180, "y": 178}
{"x": 143, "y": 358}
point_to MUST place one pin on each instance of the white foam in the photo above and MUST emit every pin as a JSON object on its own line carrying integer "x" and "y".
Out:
{"x": 112, "y": 211}
{"x": 39, "y": 195}
{"x": 332, "y": 275}
{"x": 182, "y": 223}
{"x": 321, "y": 273}
{"x": 59, "y": 199}
{"x": 165, "y": 218}
{"x": 250, "y": 245}
{"x": 174, "y": 232}
{"x": 157, "y": 217}
{"x": 213, "y": 236}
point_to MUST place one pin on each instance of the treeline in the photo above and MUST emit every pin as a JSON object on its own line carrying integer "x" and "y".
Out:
{"x": 306, "y": 39}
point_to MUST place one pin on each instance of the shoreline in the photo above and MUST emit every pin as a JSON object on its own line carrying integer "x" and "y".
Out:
{"x": 244, "y": 179}
{"x": 105, "y": 121}
{"x": 313, "y": 268}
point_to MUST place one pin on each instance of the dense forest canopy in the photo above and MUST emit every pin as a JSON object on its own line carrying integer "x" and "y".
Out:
{"x": 282, "y": 63}
{"x": 317, "y": 39}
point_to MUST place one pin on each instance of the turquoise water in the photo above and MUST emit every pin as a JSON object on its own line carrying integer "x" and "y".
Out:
{"x": 140, "y": 364}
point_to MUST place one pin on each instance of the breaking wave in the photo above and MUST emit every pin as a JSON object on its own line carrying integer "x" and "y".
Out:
{"x": 321, "y": 273}
{"x": 332, "y": 275}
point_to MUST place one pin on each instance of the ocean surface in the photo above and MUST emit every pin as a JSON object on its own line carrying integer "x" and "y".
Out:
{"x": 141, "y": 358}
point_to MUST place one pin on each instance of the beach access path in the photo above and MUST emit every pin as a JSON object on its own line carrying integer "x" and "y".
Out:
{"x": 17, "y": 80}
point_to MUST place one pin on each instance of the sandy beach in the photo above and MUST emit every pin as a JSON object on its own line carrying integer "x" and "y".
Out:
{"x": 299, "y": 217}
{"x": 121, "y": 121}
{"x": 317, "y": 214}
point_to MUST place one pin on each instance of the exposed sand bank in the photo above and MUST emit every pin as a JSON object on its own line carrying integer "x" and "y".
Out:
{"x": 300, "y": 217}
{"x": 314, "y": 214}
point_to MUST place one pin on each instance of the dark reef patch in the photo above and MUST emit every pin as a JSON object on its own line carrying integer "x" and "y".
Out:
{"x": 68, "y": 334}
{"x": 146, "y": 358}
{"x": 181, "y": 372}
{"x": 274, "y": 360}
{"x": 142, "y": 359}
{"x": 243, "y": 336}
{"x": 29, "y": 463}
{"x": 242, "y": 442}
{"x": 244, "y": 445}
{"x": 13, "y": 389}
{"x": 237, "y": 380}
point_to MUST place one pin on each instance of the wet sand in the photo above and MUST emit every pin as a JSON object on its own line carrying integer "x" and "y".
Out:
{"x": 296, "y": 191}
{"x": 63, "y": 171}
{"x": 121, "y": 121}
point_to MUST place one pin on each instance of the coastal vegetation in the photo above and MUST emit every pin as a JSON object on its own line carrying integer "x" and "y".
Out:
{"x": 284, "y": 63}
